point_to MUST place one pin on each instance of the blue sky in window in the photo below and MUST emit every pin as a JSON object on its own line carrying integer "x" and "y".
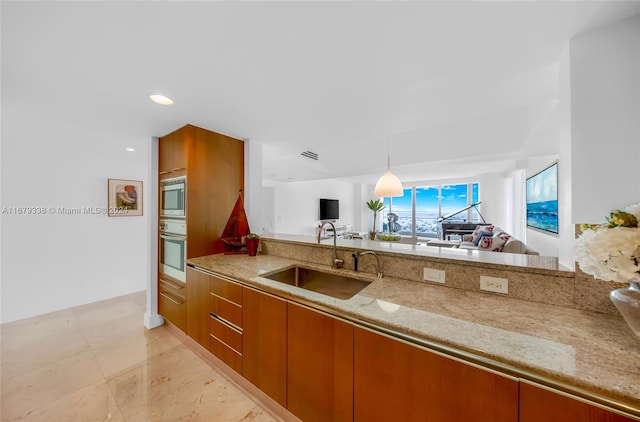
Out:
{"x": 454, "y": 197}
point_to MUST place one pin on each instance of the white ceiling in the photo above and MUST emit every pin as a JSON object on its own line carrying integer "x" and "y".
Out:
{"x": 443, "y": 85}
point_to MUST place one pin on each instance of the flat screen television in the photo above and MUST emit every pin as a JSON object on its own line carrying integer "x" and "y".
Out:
{"x": 329, "y": 209}
{"x": 542, "y": 200}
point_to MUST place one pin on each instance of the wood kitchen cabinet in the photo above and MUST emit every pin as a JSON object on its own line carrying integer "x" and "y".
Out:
{"x": 539, "y": 403}
{"x": 198, "y": 307}
{"x": 319, "y": 365}
{"x": 172, "y": 160}
{"x": 226, "y": 322}
{"x": 264, "y": 337}
{"x": 395, "y": 380}
{"x": 172, "y": 301}
{"x": 213, "y": 164}
{"x": 214, "y": 168}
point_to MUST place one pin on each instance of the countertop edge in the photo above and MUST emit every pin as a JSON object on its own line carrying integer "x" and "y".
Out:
{"x": 609, "y": 399}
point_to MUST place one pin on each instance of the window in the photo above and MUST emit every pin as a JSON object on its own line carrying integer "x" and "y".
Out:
{"x": 419, "y": 209}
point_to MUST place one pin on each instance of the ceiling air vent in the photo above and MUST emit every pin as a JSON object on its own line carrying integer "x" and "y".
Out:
{"x": 310, "y": 154}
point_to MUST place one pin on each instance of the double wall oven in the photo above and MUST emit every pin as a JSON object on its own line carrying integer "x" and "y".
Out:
{"x": 173, "y": 228}
{"x": 173, "y": 249}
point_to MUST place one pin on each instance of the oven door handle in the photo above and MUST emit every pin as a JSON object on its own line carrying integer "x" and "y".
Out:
{"x": 173, "y": 237}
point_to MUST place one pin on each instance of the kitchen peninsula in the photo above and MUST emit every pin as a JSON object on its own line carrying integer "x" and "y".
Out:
{"x": 535, "y": 347}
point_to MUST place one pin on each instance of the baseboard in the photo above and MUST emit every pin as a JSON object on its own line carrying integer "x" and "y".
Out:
{"x": 273, "y": 407}
{"x": 153, "y": 321}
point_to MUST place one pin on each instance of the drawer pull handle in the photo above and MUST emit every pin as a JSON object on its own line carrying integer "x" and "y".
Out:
{"x": 171, "y": 299}
{"x": 173, "y": 285}
{"x": 225, "y": 322}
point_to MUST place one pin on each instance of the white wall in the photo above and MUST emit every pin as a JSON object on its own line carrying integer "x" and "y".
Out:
{"x": 493, "y": 195}
{"x": 297, "y": 204}
{"x": 605, "y": 120}
{"x": 55, "y": 261}
{"x": 565, "y": 163}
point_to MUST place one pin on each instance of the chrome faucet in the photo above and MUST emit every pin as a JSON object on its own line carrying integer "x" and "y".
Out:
{"x": 355, "y": 256}
{"x": 335, "y": 262}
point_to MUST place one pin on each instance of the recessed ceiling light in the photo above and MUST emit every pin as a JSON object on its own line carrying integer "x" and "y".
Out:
{"x": 161, "y": 99}
{"x": 130, "y": 149}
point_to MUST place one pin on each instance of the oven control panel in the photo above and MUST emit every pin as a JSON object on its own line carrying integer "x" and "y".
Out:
{"x": 173, "y": 227}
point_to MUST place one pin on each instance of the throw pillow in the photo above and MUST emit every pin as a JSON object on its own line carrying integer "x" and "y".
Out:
{"x": 494, "y": 243}
{"x": 478, "y": 230}
{"x": 481, "y": 235}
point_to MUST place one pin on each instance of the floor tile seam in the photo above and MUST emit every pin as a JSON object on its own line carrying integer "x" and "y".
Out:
{"x": 115, "y": 401}
{"x": 126, "y": 369}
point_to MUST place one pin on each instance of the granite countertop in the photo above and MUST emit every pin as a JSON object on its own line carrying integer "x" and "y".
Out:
{"x": 587, "y": 353}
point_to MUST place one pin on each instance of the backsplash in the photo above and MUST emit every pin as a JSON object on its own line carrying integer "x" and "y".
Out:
{"x": 535, "y": 284}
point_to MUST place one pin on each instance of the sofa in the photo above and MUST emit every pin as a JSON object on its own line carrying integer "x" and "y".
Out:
{"x": 493, "y": 239}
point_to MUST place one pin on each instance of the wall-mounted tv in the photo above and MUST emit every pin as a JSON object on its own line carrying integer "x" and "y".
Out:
{"x": 329, "y": 209}
{"x": 542, "y": 200}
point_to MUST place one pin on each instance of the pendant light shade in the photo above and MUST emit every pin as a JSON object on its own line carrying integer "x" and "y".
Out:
{"x": 388, "y": 184}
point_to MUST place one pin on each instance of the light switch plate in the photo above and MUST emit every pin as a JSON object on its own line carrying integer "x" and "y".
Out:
{"x": 431, "y": 274}
{"x": 494, "y": 284}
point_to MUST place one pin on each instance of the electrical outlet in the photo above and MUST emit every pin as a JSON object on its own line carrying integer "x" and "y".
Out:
{"x": 494, "y": 284}
{"x": 431, "y": 274}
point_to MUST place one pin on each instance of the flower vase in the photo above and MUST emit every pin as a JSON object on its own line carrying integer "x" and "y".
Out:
{"x": 252, "y": 246}
{"x": 627, "y": 300}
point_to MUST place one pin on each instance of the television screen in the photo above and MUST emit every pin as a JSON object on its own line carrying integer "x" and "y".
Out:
{"x": 329, "y": 209}
{"x": 542, "y": 200}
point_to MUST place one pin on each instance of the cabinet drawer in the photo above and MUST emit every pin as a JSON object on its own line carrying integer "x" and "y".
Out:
{"x": 225, "y": 309}
{"x": 226, "y": 354}
{"x": 226, "y": 290}
{"x": 175, "y": 289}
{"x": 174, "y": 309}
{"x": 226, "y": 334}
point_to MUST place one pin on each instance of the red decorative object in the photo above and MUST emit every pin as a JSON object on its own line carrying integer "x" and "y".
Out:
{"x": 233, "y": 235}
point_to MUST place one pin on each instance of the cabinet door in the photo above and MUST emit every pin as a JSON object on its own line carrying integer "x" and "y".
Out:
{"x": 394, "y": 380}
{"x": 265, "y": 343}
{"x": 164, "y": 155}
{"x": 542, "y": 404}
{"x": 179, "y": 151}
{"x": 198, "y": 306}
{"x": 319, "y": 366}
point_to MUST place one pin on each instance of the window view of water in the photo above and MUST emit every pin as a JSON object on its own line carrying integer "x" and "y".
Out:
{"x": 431, "y": 203}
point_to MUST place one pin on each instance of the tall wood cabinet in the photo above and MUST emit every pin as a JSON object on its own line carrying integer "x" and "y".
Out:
{"x": 214, "y": 168}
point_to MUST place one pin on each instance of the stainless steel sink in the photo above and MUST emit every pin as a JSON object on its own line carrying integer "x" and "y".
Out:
{"x": 329, "y": 284}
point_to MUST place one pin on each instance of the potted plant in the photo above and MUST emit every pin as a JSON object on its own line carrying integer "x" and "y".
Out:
{"x": 375, "y": 206}
{"x": 253, "y": 240}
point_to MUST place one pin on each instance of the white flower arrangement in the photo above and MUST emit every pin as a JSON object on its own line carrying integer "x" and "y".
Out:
{"x": 611, "y": 252}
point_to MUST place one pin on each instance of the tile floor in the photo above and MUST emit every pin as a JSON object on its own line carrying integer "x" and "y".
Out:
{"x": 97, "y": 362}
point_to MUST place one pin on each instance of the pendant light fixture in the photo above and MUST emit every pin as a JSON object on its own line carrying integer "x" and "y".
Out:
{"x": 388, "y": 184}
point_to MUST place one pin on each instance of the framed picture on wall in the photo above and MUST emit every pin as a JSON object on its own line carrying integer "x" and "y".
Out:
{"x": 542, "y": 200}
{"x": 125, "y": 198}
